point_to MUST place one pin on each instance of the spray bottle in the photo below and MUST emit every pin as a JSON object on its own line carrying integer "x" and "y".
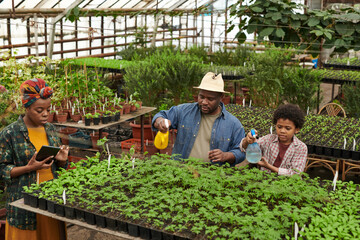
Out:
{"x": 162, "y": 139}
{"x": 253, "y": 151}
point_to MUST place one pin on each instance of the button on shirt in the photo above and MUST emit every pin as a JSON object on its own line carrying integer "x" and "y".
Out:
{"x": 226, "y": 133}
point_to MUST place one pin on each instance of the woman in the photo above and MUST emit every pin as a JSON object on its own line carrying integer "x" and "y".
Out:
{"x": 19, "y": 144}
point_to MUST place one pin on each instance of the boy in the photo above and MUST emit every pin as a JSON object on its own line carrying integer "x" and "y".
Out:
{"x": 282, "y": 152}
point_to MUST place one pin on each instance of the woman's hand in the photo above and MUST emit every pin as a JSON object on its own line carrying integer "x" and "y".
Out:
{"x": 34, "y": 165}
{"x": 62, "y": 155}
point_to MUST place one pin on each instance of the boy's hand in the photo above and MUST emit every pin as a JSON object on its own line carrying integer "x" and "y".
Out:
{"x": 250, "y": 138}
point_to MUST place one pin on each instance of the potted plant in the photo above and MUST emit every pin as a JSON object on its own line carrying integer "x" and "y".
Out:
{"x": 96, "y": 118}
{"x": 87, "y": 119}
{"x": 105, "y": 117}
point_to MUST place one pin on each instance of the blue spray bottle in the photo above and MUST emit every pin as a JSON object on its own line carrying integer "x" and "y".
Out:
{"x": 253, "y": 151}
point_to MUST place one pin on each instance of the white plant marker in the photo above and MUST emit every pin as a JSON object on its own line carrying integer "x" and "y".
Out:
{"x": 250, "y": 103}
{"x": 354, "y": 144}
{"x": 104, "y": 107}
{"x": 16, "y": 104}
{"x": 109, "y": 161}
{"x": 244, "y": 102}
{"x": 64, "y": 197}
{"x": 133, "y": 163}
{"x": 211, "y": 63}
{"x": 107, "y": 148}
{"x": 335, "y": 179}
{"x": 95, "y": 107}
{"x": 72, "y": 110}
{"x": 83, "y": 111}
{"x": 348, "y": 62}
{"x": 296, "y": 231}
{"x": 37, "y": 179}
{"x": 344, "y": 142}
{"x": 307, "y": 112}
{"x": 271, "y": 130}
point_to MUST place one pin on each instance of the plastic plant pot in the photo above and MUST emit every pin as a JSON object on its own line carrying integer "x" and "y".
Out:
{"x": 90, "y": 218}
{"x": 133, "y": 230}
{"x": 96, "y": 121}
{"x": 69, "y": 212}
{"x": 87, "y": 121}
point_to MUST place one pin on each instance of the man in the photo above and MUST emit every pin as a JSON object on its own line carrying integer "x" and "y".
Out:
{"x": 205, "y": 130}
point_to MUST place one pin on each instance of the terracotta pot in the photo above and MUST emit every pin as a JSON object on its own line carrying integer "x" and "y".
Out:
{"x": 61, "y": 117}
{"x": 95, "y": 138}
{"x": 51, "y": 117}
{"x": 75, "y": 117}
{"x": 64, "y": 134}
{"x": 126, "y": 108}
{"x": 132, "y": 108}
{"x": 148, "y": 133}
{"x": 226, "y": 99}
{"x": 140, "y": 104}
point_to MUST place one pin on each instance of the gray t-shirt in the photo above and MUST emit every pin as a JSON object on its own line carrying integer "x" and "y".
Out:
{"x": 201, "y": 146}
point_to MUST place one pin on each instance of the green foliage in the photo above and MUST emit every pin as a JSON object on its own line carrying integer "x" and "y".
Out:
{"x": 300, "y": 87}
{"x": 284, "y": 23}
{"x": 266, "y": 79}
{"x": 352, "y": 99}
{"x": 207, "y": 201}
{"x": 174, "y": 72}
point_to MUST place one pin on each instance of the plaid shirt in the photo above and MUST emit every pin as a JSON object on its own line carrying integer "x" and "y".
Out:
{"x": 16, "y": 150}
{"x": 294, "y": 158}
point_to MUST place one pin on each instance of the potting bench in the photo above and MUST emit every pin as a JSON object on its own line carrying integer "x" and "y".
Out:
{"x": 20, "y": 204}
{"x": 138, "y": 113}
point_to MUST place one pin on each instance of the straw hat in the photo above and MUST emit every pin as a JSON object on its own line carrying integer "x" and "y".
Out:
{"x": 212, "y": 82}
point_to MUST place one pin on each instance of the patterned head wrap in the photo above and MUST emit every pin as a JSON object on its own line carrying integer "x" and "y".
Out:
{"x": 34, "y": 89}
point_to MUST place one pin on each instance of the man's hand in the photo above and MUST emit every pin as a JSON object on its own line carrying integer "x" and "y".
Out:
{"x": 217, "y": 155}
{"x": 161, "y": 125}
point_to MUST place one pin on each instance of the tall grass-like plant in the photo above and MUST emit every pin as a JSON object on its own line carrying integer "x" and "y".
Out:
{"x": 352, "y": 99}
{"x": 145, "y": 78}
{"x": 181, "y": 73}
{"x": 300, "y": 86}
{"x": 265, "y": 83}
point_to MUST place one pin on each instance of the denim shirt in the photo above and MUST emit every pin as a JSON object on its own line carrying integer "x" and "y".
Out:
{"x": 15, "y": 151}
{"x": 226, "y": 133}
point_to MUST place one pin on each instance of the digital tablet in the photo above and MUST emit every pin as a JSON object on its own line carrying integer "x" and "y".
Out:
{"x": 47, "y": 151}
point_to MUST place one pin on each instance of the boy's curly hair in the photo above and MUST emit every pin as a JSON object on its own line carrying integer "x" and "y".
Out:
{"x": 291, "y": 112}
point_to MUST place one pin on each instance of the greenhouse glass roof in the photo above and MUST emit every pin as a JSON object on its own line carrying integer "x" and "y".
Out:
{"x": 103, "y": 4}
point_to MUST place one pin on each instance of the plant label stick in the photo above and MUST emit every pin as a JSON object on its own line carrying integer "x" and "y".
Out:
{"x": 335, "y": 178}
{"x": 296, "y": 231}
{"x": 244, "y": 102}
{"x": 307, "y": 112}
{"x": 64, "y": 197}
{"x": 107, "y": 148}
{"x": 250, "y": 103}
{"x": 271, "y": 130}
{"x": 133, "y": 163}
{"x": 37, "y": 178}
{"x": 109, "y": 161}
{"x": 83, "y": 111}
{"x": 344, "y": 142}
{"x": 354, "y": 144}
